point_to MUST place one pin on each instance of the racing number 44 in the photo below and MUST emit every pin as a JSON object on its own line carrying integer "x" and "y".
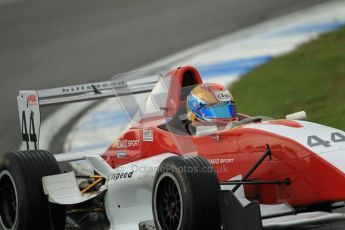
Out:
{"x": 314, "y": 141}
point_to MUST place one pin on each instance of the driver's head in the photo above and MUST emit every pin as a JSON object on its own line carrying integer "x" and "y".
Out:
{"x": 211, "y": 103}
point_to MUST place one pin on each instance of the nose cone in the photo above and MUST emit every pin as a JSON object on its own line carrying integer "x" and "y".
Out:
{"x": 318, "y": 181}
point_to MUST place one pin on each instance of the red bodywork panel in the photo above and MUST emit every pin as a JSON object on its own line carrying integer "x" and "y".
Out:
{"x": 233, "y": 152}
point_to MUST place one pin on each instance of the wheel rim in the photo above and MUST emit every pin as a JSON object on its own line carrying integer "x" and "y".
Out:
{"x": 8, "y": 201}
{"x": 168, "y": 203}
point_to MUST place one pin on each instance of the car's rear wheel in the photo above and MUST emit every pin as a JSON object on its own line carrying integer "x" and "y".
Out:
{"x": 185, "y": 195}
{"x": 8, "y": 199}
{"x": 23, "y": 204}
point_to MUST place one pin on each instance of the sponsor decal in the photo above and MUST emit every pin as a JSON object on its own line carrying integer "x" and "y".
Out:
{"x": 216, "y": 161}
{"x": 224, "y": 96}
{"x": 92, "y": 87}
{"x": 124, "y": 144}
{"x": 148, "y": 135}
{"x": 121, "y": 155}
{"x": 133, "y": 143}
{"x": 32, "y": 99}
{"x": 121, "y": 144}
{"x": 121, "y": 175}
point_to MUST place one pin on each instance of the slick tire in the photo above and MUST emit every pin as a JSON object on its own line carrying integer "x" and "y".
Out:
{"x": 23, "y": 204}
{"x": 185, "y": 195}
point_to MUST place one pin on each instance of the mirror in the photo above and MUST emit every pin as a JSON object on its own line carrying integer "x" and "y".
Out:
{"x": 302, "y": 116}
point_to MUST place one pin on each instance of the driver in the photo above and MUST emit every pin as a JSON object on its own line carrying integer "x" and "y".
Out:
{"x": 211, "y": 104}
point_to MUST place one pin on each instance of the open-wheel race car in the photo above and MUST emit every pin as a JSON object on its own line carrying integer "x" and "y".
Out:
{"x": 168, "y": 173}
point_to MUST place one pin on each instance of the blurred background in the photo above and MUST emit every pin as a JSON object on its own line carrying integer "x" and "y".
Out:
{"x": 48, "y": 43}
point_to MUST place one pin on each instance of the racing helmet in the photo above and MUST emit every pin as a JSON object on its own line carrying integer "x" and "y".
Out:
{"x": 211, "y": 103}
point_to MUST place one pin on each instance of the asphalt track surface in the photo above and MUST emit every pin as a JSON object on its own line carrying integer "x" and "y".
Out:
{"x": 46, "y": 44}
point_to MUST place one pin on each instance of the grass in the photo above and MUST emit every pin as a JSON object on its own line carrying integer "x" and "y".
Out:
{"x": 311, "y": 78}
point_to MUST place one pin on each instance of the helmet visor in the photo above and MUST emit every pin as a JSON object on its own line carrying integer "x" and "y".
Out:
{"x": 223, "y": 110}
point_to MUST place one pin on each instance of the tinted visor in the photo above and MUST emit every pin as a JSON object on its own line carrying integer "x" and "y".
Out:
{"x": 221, "y": 110}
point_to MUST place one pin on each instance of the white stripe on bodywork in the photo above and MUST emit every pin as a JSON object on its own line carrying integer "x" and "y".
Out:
{"x": 334, "y": 154}
{"x": 301, "y": 135}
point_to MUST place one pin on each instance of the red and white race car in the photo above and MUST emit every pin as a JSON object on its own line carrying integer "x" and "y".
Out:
{"x": 159, "y": 175}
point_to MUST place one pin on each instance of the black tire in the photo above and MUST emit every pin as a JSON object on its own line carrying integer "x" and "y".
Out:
{"x": 23, "y": 204}
{"x": 185, "y": 195}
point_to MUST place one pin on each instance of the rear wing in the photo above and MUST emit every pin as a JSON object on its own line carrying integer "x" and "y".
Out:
{"x": 31, "y": 101}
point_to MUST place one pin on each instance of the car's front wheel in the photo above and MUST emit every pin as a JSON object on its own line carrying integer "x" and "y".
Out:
{"x": 185, "y": 195}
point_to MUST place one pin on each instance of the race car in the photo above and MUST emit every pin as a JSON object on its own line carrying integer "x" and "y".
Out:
{"x": 160, "y": 174}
